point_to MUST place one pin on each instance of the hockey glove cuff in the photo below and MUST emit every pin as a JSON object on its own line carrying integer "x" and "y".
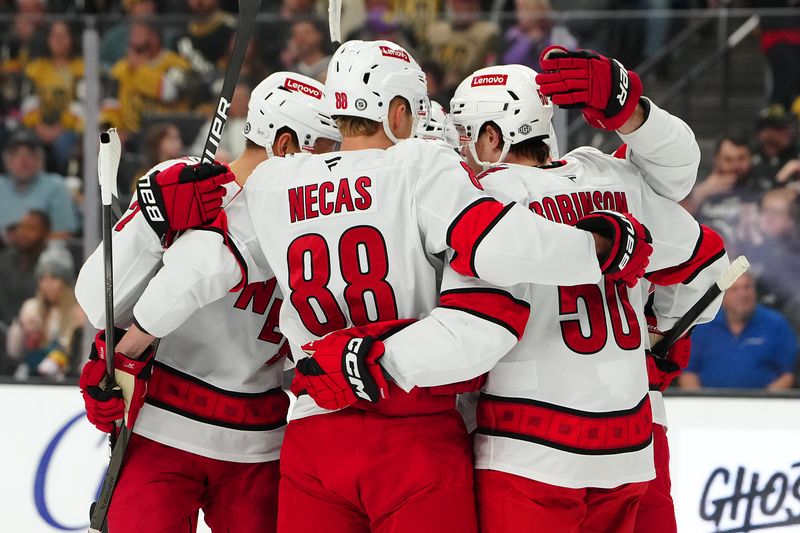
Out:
{"x": 630, "y": 244}
{"x": 104, "y": 407}
{"x": 182, "y": 197}
{"x": 662, "y": 372}
{"x": 343, "y": 367}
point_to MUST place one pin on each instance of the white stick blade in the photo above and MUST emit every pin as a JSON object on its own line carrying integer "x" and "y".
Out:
{"x": 739, "y": 266}
{"x": 334, "y": 20}
{"x": 108, "y": 163}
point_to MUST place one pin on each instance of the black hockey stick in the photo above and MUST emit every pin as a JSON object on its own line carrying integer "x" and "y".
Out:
{"x": 247, "y": 21}
{"x": 107, "y": 165}
{"x": 246, "y": 24}
{"x": 738, "y": 267}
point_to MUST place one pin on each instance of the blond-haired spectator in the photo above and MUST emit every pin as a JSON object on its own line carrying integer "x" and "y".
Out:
{"x": 42, "y": 337}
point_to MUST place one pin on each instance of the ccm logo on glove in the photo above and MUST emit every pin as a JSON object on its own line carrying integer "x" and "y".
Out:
{"x": 354, "y": 369}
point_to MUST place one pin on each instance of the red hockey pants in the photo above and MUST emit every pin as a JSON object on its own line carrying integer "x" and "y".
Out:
{"x": 656, "y": 510}
{"x": 355, "y": 471}
{"x": 515, "y": 504}
{"x": 161, "y": 488}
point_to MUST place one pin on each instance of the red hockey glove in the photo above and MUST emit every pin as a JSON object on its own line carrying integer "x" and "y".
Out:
{"x": 182, "y": 197}
{"x": 607, "y": 92}
{"x": 661, "y": 372}
{"x": 104, "y": 407}
{"x": 630, "y": 244}
{"x": 343, "y": 368}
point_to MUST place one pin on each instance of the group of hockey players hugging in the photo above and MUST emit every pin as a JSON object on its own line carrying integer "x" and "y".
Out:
{"x": 353, "y": 242}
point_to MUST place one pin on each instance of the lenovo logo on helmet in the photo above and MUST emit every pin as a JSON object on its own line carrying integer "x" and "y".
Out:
{"x": 397, "y": 54}
{"x": 489, "y": 79}
{"x": 300, "y": 87}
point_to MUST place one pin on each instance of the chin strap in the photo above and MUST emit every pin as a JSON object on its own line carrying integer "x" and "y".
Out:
{"x": 500, "y": 160}
{"x": 388, "y": 130}
{"x": 552, "y": 142}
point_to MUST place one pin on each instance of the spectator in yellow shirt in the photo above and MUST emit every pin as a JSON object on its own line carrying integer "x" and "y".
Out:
{"x": 463, "y": 44}
{"x": 149, "y": 79}
{"x": 52, "y": 109}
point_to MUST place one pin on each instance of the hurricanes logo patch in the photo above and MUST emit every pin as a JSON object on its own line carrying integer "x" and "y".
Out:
{"x": 361, "y": 104}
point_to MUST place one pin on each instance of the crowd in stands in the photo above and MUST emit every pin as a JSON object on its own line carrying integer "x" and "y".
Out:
{"x": 162, "y": 64}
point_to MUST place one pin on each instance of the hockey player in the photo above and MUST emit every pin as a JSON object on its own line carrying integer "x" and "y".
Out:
{"x": 438, "y": 127}
{"x": 209, "y": 433}
{"x": 564, "y": 423}
{"x": 350, "y": 237}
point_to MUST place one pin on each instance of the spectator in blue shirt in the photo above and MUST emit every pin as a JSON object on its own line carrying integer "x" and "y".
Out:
{"x": 746, "y": 346}
{"x": 25, "y": 187}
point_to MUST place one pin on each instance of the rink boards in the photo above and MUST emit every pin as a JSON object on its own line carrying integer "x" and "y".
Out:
{"x": 735, "y": 461}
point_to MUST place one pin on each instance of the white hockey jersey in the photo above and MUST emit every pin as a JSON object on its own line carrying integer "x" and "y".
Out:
{"x": 351, "y": 237}
{"x": 569, "y": 404}
{"x": 216, "y": 384}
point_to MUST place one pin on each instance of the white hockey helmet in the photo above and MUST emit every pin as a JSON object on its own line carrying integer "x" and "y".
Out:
{"x": 292, "y": 100}
{"x": 507, "y": 95}
{"x": 439, "y": 126}
{"x": 364, "y": 76}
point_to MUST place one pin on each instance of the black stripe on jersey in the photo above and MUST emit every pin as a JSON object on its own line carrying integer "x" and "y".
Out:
{"x": 463, "y": 212}
{"x": 698, "y": 244}
{"x": 488, "y": 318}
{"x": 486, "y": 290}
{"x": 564, "y": 447}
{"x": 230, "y": 245}
{"x": 212, "y": 422}
{"x": 209, "y": 386}
{"x": 483, "y": 235}
{"x": 391, "y": 331}
{"x": 708, "y": 262}
{"x": 136, "y": 323}
{"x": 567, "y": 410}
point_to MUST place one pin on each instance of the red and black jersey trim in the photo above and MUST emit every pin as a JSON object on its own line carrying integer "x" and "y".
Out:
{"x": 469, "y": 228}
{"x": 553, "y": 164}
{"x": 566, "y": 429}
{"x": 134, "y": 209}
{"x": 495, "y": 305}
{"x": 220, "y": 227}
{"x": 193, "y": 398}
{"x": 491, "y": 170}
{"x": 707, "y": 250}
